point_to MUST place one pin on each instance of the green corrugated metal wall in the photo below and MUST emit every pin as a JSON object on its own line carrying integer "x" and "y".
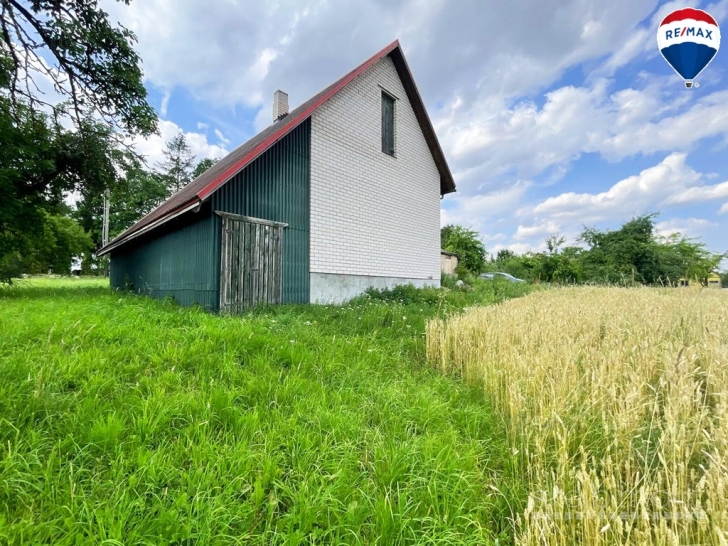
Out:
{"x": 177, "y": 262}
{"x": 276, "y": 187}
{"x": 182, "y": 258}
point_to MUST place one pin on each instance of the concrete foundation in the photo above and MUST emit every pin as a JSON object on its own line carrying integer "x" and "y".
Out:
{"x": 336, "y": 288}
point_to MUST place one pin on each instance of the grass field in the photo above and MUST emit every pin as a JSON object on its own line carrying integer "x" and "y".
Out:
{"x": 617, "y": 409}
{"x": 130, "y": 421}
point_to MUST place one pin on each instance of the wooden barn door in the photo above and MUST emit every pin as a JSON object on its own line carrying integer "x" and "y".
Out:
{"x": 250, "y": 268}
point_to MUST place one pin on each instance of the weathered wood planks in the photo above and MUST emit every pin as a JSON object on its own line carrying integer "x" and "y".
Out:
{"x": 251, "y": 262}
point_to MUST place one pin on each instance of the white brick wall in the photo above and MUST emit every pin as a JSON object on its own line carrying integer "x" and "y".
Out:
{"x": 373, "y": 214}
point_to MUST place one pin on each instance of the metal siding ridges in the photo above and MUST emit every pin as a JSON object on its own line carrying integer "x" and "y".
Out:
{"x": 276, "y": 186}
{"x": 177, "y": 262}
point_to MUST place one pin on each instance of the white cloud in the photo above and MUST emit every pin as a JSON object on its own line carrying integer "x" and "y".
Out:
{"x": 224, "y": 141}
{"x": 543, "y": 229}
{"x": 480, "y": 211}
{"x": 688, "y": 227}
{"x": 165, "y": 103}
{"x": 666, "y": 186}
{"x": 232, "y": 55}
{"x": 494, "y": 139}
{"x": 151, "y": 148}
{"x": 655, "y": 186}
{"x": 723, "y": 209}
{"x": 700, "y": 193}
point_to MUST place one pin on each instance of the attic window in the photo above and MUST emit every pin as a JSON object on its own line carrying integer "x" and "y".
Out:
{"x": 387, "y": 124}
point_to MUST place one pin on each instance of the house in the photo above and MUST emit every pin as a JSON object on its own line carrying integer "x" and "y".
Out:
{"x": 448, "y": 262}
{"x": 339, "y": 195}
{"x": 713, "y": 280}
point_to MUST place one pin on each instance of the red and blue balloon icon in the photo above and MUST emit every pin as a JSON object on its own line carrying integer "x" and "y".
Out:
{"x": 688, "y": 39}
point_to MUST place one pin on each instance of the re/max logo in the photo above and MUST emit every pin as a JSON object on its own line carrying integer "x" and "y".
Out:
{"x": 688, "y": 31}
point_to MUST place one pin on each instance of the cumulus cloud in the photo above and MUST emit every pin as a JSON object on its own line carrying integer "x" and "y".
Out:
{"x": 688, "y": 227}
{"x": 230, "y": 55}
{"x": 528, "y": 139}
{"x": 543, "y": 229}
{"x": 665, "y": 187}
{"x": 151, "y": 148}
{"x": 672, "y": 181}
{"x": 479, "y": 212}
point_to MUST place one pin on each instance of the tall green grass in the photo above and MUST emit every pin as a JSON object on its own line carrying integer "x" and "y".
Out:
{"x": 130, "y": 421}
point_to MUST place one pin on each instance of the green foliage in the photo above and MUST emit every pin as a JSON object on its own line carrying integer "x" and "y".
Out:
{"x": 203, "y": 165}
{"x": 466, "y": 244}
{"x": 128, "y": 420}
{"x": 633, "y": 254}
{"x": 56, "y": 242}
{"x": 62, "y": 239}
{"x": 134, "y": 196}
{"x": 40, "y": 162}
{"x": 72, "y": 44}
{"x": 176, "y": 169}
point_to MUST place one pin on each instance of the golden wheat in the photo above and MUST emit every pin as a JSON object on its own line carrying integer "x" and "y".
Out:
{"x": 617, "y": 405}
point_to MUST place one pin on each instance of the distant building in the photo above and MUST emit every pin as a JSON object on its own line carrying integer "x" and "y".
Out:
{"x": 339, "y": 195}
{"x": 714, "y": 280}
{"x": 448, "y": 262}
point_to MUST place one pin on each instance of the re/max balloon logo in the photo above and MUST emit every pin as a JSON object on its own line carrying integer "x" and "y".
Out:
{"x": 688, "y": 40}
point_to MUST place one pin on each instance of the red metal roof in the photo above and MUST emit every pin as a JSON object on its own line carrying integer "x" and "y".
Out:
{"x": 204, "y": 185}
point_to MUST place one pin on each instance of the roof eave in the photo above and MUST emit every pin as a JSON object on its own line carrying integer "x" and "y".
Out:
{"x": 447, "y": 182}
{"x": 121, "y": 239}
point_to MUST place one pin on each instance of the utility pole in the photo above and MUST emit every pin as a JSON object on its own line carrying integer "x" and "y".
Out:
{"x": 105, "y": 229}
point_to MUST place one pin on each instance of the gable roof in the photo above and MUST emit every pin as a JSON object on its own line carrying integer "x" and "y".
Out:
{"x": 194, "y": 193}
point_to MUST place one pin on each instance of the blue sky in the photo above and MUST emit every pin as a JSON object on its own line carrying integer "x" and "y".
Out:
{"x": 553, "y": 114}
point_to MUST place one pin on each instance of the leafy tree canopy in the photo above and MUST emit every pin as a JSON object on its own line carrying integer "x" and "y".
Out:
{"x": 466, "y": 244}
{"x": 202, "y": 166}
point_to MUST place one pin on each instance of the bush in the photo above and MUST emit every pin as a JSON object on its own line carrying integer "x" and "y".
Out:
{"x": 406, "y": 294}
{"x": 10, "y": 266}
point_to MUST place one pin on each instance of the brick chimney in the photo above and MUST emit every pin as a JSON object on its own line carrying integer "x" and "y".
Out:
{"x": 280, "y": 105}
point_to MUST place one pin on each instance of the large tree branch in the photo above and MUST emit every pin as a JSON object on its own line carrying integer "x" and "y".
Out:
{"x": 57, "y": 54}
{"x": 11, "y": 50}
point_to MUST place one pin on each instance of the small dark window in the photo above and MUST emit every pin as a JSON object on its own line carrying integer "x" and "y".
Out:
{"x": 387, "y": 124}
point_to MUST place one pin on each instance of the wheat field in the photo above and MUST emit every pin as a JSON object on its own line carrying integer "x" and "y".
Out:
{"x": 616, "y": 402}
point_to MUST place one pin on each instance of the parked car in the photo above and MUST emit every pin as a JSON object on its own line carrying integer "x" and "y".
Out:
{"x": 500, "y": 275}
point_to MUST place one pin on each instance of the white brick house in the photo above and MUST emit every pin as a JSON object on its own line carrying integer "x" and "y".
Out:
{"x": 354, "y": 175}
{"x": 375, "y": 218}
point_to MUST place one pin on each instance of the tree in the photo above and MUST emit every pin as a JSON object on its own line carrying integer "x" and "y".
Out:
{"x": 40, "y": 162}
{"x": 177, "y": 165}
{"x": 134, "y": 196}
{"x": 202, "y": 166}
{"x": 72, "y": 44}
{"x": 52, "y": 245}
{"x": 682, "y": 257}
{"x": 628, "y": 254}
{"x": 93, "y": 67}
{"x": 504, "y": 254}
{"x": 466, "y": 244}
